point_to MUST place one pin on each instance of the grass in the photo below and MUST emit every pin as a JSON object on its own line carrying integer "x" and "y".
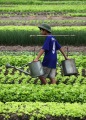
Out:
{"x": 20, "y": 35}
{"x": 43, "y": 8}
{"x": 30, "y": 2}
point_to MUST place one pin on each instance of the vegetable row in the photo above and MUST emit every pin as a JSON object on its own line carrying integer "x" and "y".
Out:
{"x": 39, "y": 2}
{"x": 42, "y": 111}
{"x": 43, "y": 8}
{"x": 12, "y": 76}
{"x": 21, "y": 58}
{"x": 21, "y": 35}
{"x": 44, "y": 93}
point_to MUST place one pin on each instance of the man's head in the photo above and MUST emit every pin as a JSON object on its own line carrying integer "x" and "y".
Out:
{"x": 44, "y": 29}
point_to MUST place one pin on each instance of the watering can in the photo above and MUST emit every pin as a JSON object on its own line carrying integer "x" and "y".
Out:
{"x": 35, "y": 69}
{"x": 69, "y": 67}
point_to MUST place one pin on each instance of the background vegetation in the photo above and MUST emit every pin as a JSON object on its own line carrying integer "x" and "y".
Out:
{"x": 21, "y": 96}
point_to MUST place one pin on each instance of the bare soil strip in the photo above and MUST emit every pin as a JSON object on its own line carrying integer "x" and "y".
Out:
{"x": 37, "y": 48}
{"x": 75, "y": 21}
{"x": 42, "y": 17}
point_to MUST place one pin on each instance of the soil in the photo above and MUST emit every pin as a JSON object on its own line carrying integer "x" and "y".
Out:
{"x": 37, "y": 48}
{"x": 76, "y": 21}
{"x": 48, "y": 117}
{"x": 42, "y": 17}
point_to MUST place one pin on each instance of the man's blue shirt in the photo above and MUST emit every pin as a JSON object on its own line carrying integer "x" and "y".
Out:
{"x": 50, "y": 46}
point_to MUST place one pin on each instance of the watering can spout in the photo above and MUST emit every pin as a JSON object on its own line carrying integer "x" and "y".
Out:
{"x": 35, "y": 69}
{"x": 9, "y": 66}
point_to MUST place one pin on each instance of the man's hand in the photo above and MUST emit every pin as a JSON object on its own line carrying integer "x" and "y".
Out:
{"x": 35, "y": 60}
{"x": 66, "y": 58}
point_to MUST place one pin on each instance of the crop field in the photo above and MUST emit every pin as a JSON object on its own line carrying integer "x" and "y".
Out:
{"x": 9, "y": 76}
{"x": 24, "y": 94}
{"x": 43, "y": 11}
{"x": 22, "y": 97}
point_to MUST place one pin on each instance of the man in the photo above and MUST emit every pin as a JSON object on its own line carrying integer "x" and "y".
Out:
{"x": 49, "y": 49}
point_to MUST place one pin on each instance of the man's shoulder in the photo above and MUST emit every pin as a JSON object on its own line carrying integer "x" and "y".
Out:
{"x": 51, "y": 37}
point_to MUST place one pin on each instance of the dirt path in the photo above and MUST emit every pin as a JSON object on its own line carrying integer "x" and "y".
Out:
{"x": 59, "y": 20}
{"x": 37, "y": 48}
{"x": 42, "y": 17}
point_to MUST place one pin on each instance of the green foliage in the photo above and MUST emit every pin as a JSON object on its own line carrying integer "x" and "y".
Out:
{"x": 16, "y": 35}
{"x": 44, "y": 8}
{"x": 40, "y": 2}
{"x": 33, "y": 7}
{"x": 49, "y": 93}
{"x": 70, "y": 8}
{"x": 20, "y": 35}
{"x": 18, "y": 59}
{"x": 10, "y": 76}
{"x": 21, "y": 58}
{"x": 43, "y": 111}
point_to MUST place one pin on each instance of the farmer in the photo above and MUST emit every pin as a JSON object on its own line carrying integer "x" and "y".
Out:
{"x": 49, "y": 49}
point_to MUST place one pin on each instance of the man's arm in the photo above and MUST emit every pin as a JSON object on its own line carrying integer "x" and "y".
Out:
{"x": 61, "y": 50}
{"x": 39, "y": 54}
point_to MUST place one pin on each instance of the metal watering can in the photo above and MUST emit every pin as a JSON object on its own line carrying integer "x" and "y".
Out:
{"x": 68, "y": 67}
{"x": 35, "y": 69}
